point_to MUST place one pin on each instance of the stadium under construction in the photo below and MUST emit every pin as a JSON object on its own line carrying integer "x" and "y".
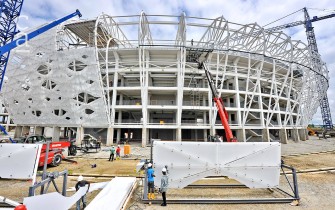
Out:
{"x": 132, "y": 77}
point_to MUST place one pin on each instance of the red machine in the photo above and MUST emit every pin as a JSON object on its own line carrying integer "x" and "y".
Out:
{"x": 55, "y": 154}
{"x": 219, "y": 103}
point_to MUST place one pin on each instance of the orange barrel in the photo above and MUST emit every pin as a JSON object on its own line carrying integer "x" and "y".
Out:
{"x": 126, "y": 149}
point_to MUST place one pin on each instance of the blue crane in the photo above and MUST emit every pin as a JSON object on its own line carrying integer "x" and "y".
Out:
{"x": 21, "y": 40}
{"x": 9, "y": 44}
{"x": 316, "y": 61}
{"x": 9, "y": 13}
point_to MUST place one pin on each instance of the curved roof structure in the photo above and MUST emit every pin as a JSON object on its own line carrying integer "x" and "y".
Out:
{"x": 138, "y": 71}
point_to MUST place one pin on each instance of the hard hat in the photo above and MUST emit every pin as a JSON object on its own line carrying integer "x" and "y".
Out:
{"x": 113, "y": 146}
{"x": 149, "y": 165}
{"x": 164, "y": 169}
{"x": 118, "y": 145}
{"x": 80, "y": 178}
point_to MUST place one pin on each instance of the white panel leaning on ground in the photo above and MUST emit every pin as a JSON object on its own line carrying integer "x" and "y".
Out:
{"x": 257, "y": 165}
{"x": 19, "y": 161}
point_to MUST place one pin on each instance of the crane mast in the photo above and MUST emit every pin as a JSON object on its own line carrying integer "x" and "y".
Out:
{"x": 9, "y": 13}
{"x": 316, "y": 61}
{"x": 317, "y": 65}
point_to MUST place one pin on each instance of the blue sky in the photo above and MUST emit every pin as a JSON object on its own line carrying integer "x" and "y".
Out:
{"x": 37, "y": 12}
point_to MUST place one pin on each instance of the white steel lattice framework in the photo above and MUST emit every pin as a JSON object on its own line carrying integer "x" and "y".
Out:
{"x": 133, "y": 72}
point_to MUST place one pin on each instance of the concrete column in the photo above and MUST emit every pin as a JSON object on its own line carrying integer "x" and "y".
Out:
{"x": 25, "y": 129}
{"x": 240, "y": 135}
{"x": 55, "y": 133}
{"x": 178, "y": 134}
{"x": 266, "y": 135}
{"x": 295, "y": 135}
{"x": 302, "y": 134}
{"x": 110, "y": 135}
{"x": 62, "y": 132}
{"x": 144, "y": 137}
{"x": 18, "y": 131}
{"x": 80, "y": 135}
{"x": 118, "y": 136}
{"x": 38, "y": 130}
{"x": 283, "y": 136}
{"x": 205, "y": 134}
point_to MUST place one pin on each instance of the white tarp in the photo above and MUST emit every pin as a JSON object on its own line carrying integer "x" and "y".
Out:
{"x": 255, "y": 164}
{"x": 8, "y": 202}
{"x": 53, "y": 201}
{"x": 19, "y": 161}
{"x": 114, "y": 195}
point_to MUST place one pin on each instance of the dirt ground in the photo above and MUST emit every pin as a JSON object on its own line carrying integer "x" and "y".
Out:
{"x": 316, "y": 190}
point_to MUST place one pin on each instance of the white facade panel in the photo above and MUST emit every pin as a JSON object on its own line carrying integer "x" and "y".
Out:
{"x": 19, "y": 161}
{"x": 257, "y": 165}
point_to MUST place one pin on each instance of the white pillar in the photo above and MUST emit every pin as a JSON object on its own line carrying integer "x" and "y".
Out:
{"x": 18, "y": 131}
{"x": 178, "y": 133}
{"x": 38, "y": 130}
{"x": 205, "y": 134}
{"x": 110, "y": 135}
{"x": 295, "y": 135}
{"x": 55, "y": 133}
{"x": 283, "y": 136}
{"x": 118, "y": 135}
{"x": 144, "y": 136}
{"x": 266, "y": 135}
{"x": 80, "y": 135}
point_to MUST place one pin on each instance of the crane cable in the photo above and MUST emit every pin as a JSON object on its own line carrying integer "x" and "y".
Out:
{"x": 327, "y": 10}
{"x": 282, "y": 17}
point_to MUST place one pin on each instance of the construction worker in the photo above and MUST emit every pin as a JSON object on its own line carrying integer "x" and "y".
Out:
{"x": 324, "y": 134}
{"x": 118, "y": 150}
{"x": 164, "y": 185}
{"x": 112, "y": 152}
{"x": 81, "y": 183}
{"x": 151, "y": 183}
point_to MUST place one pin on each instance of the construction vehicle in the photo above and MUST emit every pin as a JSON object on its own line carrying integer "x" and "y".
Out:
{"x": 219, "y": 103}
{"x": 201, "y": 57}
{"x": 311, "y": 132}
{"x": 89, "y": 142}
{"x": 54, "y": 153}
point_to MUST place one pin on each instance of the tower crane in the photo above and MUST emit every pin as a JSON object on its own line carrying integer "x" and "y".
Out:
{"x": 316, "y": 61}
{"x": 9, "y": 13}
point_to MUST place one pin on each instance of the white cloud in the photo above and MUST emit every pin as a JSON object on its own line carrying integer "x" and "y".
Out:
{"x": 238, "y": 11}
